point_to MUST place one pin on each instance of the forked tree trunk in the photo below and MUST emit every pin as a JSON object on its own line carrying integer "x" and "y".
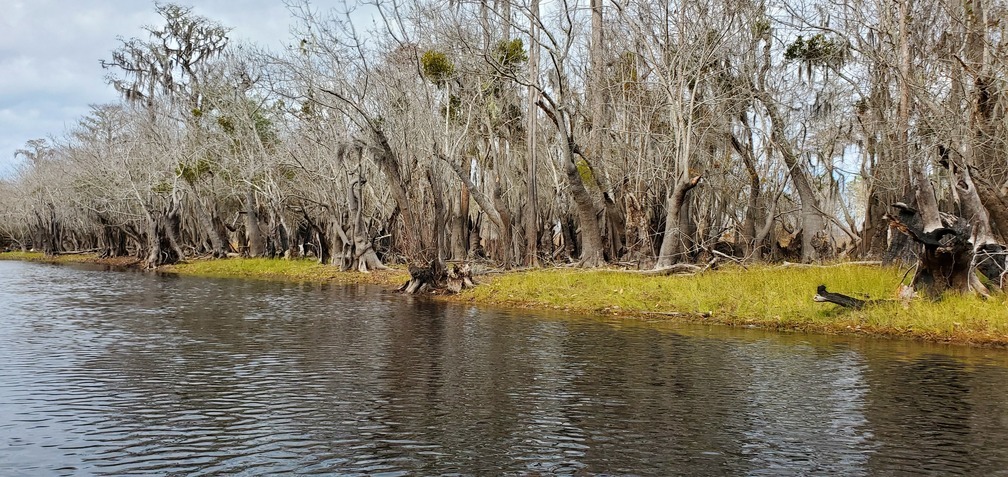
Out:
{"x": 591, "y": 234}
{"x": 364, "y": 258}
{"x": 671, "y": 242}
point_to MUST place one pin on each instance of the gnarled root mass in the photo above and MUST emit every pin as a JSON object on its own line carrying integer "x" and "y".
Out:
{"x": 952, "y": 257}
{"x": 436, "y": 278}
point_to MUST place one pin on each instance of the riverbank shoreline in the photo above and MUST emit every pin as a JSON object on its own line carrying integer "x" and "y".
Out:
{"x": 760, "y": 296}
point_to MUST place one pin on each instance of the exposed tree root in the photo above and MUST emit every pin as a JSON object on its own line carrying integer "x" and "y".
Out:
{"x": 437, "y": 279}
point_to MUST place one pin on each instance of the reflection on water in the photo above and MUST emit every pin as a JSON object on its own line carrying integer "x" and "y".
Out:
{"x": 127, "y": 373}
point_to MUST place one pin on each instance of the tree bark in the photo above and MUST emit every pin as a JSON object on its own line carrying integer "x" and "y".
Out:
{"x": 163, "y": 237}
{"x": 440, "y": 237}
{"x": 218, "y": 242}
{"x": 591, "y": 235}
{"x": 531, "y": 139}
{"x": 253, "y": 235}
{"x": 364, "y": 253}
{"x": 672, "y": 240}
{"x": 386, "y": 159}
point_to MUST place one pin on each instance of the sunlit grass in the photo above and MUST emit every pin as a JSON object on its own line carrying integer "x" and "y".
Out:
{"x": 274, "y": 269}
{"x": 765, "y": 296}
{"x": 18, "y": 255}
{"x": 40, "y": 257}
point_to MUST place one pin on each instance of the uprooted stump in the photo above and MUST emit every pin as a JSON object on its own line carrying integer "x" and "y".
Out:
{"x": 437, "y": 279}
{"x": 951, "y": 254}
{"x": 953, "y": 251}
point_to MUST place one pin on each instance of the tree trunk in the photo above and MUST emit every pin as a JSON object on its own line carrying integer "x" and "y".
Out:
{"x": 506, "y": 241}
{"x": 253, "y": 235}
{"x": 386, "y": 159}
{"x": 460, "y": 225}
{"x": 989, "y": 257}
{"x": 485, "y": 203}
{"x": 811, "y": 219}
{"x": 440, "y": 239}
{"x": 531, "y": 215}
{"x": 591, "y": 236}
{"x": 49, "y": 232}
{"x": 673, "y": 238}
{"x": 163, "y": 237}
{"x": 218, "y": 242}
{"x": 749, "y": 221}
{"x": 615, "y": 223}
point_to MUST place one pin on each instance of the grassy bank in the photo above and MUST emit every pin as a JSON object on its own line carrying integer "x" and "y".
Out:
{"x": 764, "y": 296}
{"x": 296, "y": 270}
{"x": 69, "y": 258}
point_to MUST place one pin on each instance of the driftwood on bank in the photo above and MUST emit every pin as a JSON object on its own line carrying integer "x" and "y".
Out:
{"x": 787, "y": 264}
{"x": 845, "y": 301}
{"x": 436, "y": 278}
{"x": 674, "y": 269}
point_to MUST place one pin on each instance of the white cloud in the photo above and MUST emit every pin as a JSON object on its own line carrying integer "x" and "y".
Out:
{"x": 50, "y": 52}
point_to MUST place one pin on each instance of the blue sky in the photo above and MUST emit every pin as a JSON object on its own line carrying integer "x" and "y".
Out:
{"x": 50, "y": 51}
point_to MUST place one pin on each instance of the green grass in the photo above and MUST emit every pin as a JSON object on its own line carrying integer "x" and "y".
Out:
{"x": 24, "y": 256}
{"x": 42, "y": 258}
{"x": 273, "y": 269}
{"x": 764, "y": 296}
{"x": 778, "y": 298}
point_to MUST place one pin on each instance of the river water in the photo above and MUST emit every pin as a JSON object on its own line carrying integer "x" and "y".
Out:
{"x": 118, "y": 373}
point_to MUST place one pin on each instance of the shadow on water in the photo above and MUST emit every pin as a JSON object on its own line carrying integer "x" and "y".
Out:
{"x": 104, "y": 373}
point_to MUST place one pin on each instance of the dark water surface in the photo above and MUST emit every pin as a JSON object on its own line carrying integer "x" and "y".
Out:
{"x": 105, "y": 373}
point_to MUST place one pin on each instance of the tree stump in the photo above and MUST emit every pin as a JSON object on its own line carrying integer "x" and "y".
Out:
{"x": 437, "y": 279}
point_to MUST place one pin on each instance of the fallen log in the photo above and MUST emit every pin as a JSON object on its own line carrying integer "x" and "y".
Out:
{"x": 845, "y": 301}
{"x": 674, "y": 269}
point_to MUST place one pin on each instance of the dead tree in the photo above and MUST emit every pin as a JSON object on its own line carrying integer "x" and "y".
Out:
{"x": 953, "y": 251}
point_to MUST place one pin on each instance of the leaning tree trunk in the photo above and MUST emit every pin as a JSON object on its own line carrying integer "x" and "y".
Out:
{"x": 591, "y": 234}
{"x": 673, "y": 238}
{"x": 488, "y": 205}
{"x": 385, "y": 157}
{"x": 811, "y": 219}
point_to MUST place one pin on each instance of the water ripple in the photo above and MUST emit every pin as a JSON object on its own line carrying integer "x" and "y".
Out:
{"x": 135, "y": 374}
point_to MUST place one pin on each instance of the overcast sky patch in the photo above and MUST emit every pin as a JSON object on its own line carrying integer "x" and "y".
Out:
{"x": 50, "y": 52}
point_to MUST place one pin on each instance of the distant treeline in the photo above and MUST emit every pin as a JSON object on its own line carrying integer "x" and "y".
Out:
{"x": 639, "y": 133}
